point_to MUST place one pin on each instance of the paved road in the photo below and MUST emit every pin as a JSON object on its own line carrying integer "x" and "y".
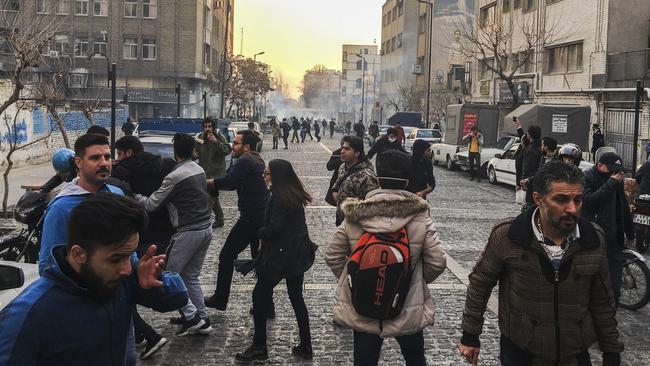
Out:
{"x": 464, "y": 213}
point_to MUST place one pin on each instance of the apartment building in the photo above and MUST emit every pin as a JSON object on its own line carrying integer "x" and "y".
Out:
{"x": 360, "y": 79}
{"x": 154, "y": 43}
{"x": 321, "y": 90}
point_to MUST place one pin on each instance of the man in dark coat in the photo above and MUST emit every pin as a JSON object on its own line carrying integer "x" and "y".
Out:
{"x": 604, "y": 202}
{"x": 387, "y": 142}
{"x": 532, "y": 158}
{"x": 597, "y": 141}
{"x": 359, "y": 129}
{"x": 332, "y": 126}
{"x": 286, "y": 128}
{"x": 295, "y": 125}
{"x": 333, "y": 165}
{"x": 128, "y": 127}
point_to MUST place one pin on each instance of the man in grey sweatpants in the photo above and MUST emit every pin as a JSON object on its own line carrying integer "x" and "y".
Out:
{"x": 184, "y": 193}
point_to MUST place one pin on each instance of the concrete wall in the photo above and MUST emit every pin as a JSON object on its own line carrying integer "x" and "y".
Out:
{"x": 629, "y": 25}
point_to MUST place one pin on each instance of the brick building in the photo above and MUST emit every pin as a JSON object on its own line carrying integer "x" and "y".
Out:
{"x": 155, "y": 44}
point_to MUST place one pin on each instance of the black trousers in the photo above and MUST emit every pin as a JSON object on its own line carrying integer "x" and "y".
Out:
{"x": 474, "y": 164}
{"x": 263, "y": 301}
{"x": 285, "y": 138}
{"x": 242, "y": 235}
{"x": 295, "y": 136}
{"x": 615, "y": 262}
{"x": 331, "y": 132}
{"x": 367, "y": 349}
{"x": 142, "y": 327}
{"x": 511, "y": 355}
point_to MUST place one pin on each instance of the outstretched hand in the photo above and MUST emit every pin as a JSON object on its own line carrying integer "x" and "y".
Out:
{"x": 149, "y": 269}
{"x": 469, "y": 353}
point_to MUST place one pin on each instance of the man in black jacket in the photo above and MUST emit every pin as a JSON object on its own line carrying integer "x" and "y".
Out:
{"x": 247, "y": 177}
{"x": 604, "y": 203}
{"x": 286, "y": 128}
{"x": 532, "y": 158}
{"x": 387, "y": 142}
{"x": 295, "y": 125}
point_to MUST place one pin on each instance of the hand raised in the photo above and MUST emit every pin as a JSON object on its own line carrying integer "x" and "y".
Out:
{"x": 149, "y": 269}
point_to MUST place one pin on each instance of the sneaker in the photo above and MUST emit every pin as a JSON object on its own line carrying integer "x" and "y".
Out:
{"x": 212, "y": 302}
{"x": 303, "y": 351}
{"x": 253, "y": 353}
{"x": 190, "y": 326}
{"x": 153, "y": 346}
{"x": 206, "y": 328}
{"x": 140, "y": 340}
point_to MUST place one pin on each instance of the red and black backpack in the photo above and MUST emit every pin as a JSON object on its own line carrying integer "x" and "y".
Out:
{"x": 379, "y": 274}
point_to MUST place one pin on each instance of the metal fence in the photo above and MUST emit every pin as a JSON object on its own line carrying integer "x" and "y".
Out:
{"x": 619, "y": 133}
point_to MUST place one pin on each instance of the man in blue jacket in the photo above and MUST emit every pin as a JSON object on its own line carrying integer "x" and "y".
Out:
{"x": 93, "y": 162}
{"x": 247, "y": 177}
{"x": 79, "y": 312}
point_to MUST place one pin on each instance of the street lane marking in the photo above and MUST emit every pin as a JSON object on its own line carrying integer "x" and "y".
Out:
{"x": 463, "y": 275}
{"x": 325, "y": 147}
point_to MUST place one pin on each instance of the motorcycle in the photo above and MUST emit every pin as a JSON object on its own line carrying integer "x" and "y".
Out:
{"x": 25, "y": 245}
{"x": 635, "y": 281}
{"x": 641, "y": 219}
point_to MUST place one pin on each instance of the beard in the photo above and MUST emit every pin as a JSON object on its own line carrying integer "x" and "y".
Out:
{"x": 98, "y": 290}
{"x": 560, "y": 226}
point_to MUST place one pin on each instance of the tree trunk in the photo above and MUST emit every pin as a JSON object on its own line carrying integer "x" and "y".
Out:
{"x": 61, "y": 126}
{"x": 515, "y": 96}
{"x": 89, "y": 116}
{"x": 5, "y": 176}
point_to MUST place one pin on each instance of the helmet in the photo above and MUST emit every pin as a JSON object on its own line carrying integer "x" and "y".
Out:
{"x": 571, "y": 150}
{"x": 61, "y": 160}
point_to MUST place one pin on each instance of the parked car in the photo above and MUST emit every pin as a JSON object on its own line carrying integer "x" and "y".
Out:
{"x": 487, "y": 153}
{"x": 14, "y": 278}
{"x": 161, "y": 143}
{"x": 243, "y": 125}
{"x": 501, "y": 168}
{"x": 426, "y": 134}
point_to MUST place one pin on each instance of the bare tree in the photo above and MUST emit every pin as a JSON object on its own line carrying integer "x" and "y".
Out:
{"x": 505, "y": 46}
{"x": 408, "y": 98}
{"x": 439, "y": 101}
{"x": 15, "y": 143}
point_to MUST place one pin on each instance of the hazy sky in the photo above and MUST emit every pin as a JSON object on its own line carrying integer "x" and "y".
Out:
{"x": 298, "y": 34}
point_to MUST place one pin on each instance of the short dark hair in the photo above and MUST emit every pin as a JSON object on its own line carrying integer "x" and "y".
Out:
{"x": 474, "y": 128}
{"x": 87, "y": 140}
{"x": 549, "y": 142}
{"x": 251, "y": 124}
{"x": 393, "y": 169}
{"x": 183, "y": 145}
{"x": 97, "y": 129}
{"x": 104, "y": 219}
{"x": 129, "y": 142}
{"x": 209, "y": 120}
{"x": 535, "y": 132}
{"x": 556, "y": 171}
{"x": 356, "y": 144}
{"x": 249, "y": 138}
{"x": 391, "y": 131}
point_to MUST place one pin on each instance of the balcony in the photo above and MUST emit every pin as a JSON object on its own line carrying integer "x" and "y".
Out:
{"x": 624, "y": 68}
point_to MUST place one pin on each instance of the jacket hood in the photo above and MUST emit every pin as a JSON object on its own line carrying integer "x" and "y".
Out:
{"x": 384, "y": 210}
{"x": 253, "y": 155}
{"x": 419, "y": 147}
{"x": 71, "y": 189}
{"x": 54, "y": 272}
{"x": 145, "y": 163}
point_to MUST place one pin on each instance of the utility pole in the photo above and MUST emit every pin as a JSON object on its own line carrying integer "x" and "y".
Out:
{"x": 364, "y": 66}
{"x": 205, "y": 104}
{"x": 637, "y": 113}
{"x": 113, "y": 106}
{"x": 241, "y": 42}
{"x": 429, "y": 58}
{"x": 224, "y": 61}
{"x": 178, "y": 100}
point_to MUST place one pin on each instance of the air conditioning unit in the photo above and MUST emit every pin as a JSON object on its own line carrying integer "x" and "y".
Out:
{"x": 417, "y": 69}
{"x": 53, "y": 53}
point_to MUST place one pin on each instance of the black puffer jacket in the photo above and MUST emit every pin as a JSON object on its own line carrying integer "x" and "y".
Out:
{"x": 286, "y": 248}
{"x": 144, "y": 172}
{"x": 382, "y": 145}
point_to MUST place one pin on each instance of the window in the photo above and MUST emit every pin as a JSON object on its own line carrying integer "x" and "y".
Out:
{"x": 10, "y": 5}
{"x": 130, "y": 8}
{"x": 392, "y": 44}
{"x": 42, "y": 7}
{"x": 485, "y": 71}
{"x": 343, "y": 90}
{"x": 422, "y": 23}
{"x": 389, "y": 17}
{"x": 81, "y": 47}
{"x": 130, "y": 50}
{"x": 149, "y": 50}
{"x": 345, "y": 56}
{"x": 365, "y": 51}
{"x": 81, "y": 7}
{"x": 395, "y": 13}
{"x": 62, "y": 43}
{"x": 399, "y": 40}
{"x": 564, "y": 58}
{"x": 359, "y": 65}
{"x": 206, "y": 54}
{"x": 383, "y": 20}
{"x": 400, "y": 6}
{"x": 517, "y": 4}
{"x": 100, "y": 8}
{"x": 527, "y": 63}
{"x": 358, "y": 83}
{"x": 77, "y": 80}
{"x": 506, "y": 6}
{"x": 487, "y": 15}
{"x": 100, "y": 44}
{"x": 150, "y": 10}
{"x": 529, "y": 5}
{"x": 552, "y": 1}
{"x": 63, "y": 7}
{"x": 344, "y": 74}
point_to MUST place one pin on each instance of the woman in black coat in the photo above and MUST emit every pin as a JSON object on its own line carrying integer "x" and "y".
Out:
{"x": 287, "y": 253}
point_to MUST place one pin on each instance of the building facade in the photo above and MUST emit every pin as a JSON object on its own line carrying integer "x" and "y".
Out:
{"x": 321, "y": 90}
{"x": 360, "y": 78}
{"x": 155, "y": 45}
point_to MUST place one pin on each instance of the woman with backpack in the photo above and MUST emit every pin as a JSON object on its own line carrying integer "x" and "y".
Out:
{"x": 286, "y": 253}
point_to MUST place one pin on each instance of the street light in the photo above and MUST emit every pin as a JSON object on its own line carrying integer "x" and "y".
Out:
{"x": 112, "y": 77}
{"x": 364, "y": 65}
{"x": 222, "y": 102}
{"x": 255, "y": 96}
{"x": 429, "y": 57}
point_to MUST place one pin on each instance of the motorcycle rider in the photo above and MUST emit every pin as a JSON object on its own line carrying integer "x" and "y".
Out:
{"x": 62, "y": 162}
{"x": 570, "y": 154}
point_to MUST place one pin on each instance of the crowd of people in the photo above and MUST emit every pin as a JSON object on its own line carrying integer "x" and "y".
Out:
{"x": 136, "y": 232}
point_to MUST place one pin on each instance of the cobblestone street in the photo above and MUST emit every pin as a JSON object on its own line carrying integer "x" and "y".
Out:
{"x": 464, "y": 213}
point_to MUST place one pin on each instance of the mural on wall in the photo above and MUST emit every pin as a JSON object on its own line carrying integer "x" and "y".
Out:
{"x": 76, "y": 121}
{"x": 444, "y": 8}
{"x": 18, "y": 135}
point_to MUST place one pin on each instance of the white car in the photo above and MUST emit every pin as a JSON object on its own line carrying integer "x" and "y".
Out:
{"x": 14, "y": 278}
{"x": 161, "y": 143}
{"x": 487, "y": 153}
{"x": 501, "y": 169}
{"x": 243, "y": 125}
{"x": 427, "y": 134}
